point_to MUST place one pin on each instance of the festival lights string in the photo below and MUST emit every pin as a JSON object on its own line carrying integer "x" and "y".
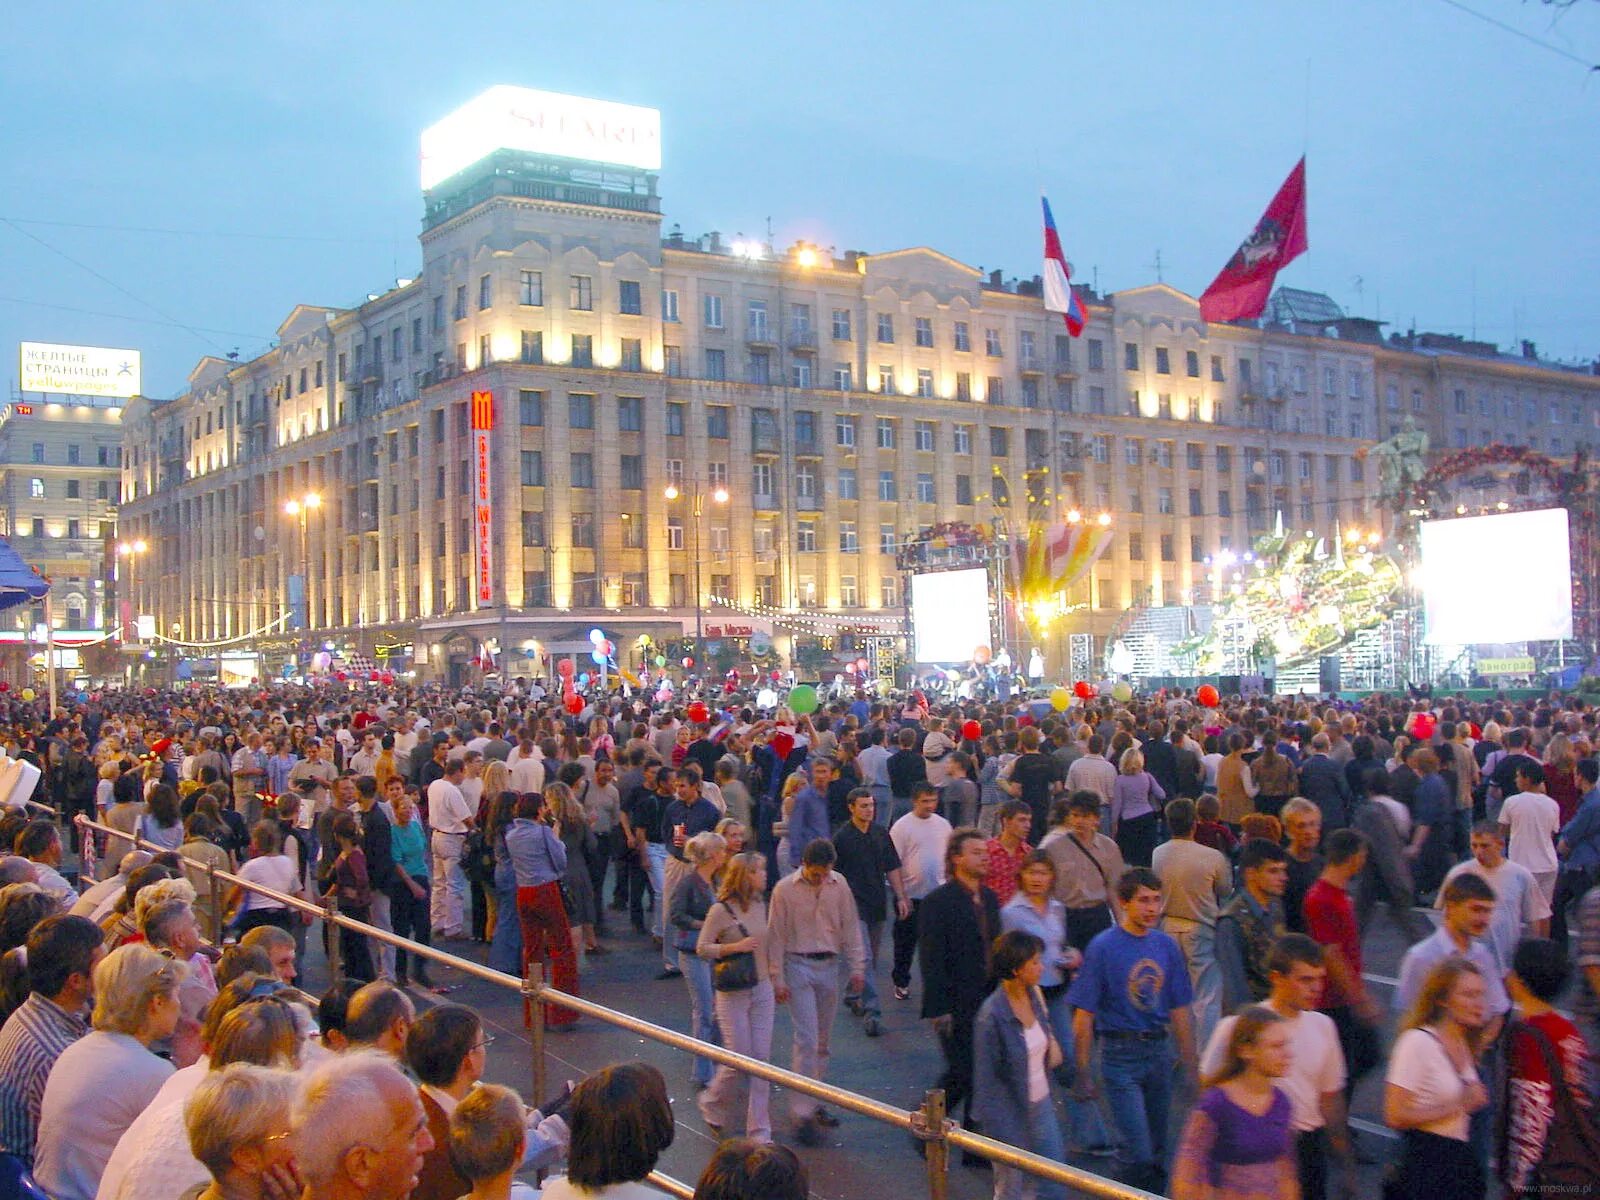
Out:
{"x": 813, "y": 623}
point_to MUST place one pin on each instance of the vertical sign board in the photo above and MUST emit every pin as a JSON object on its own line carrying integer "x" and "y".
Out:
{"x": 482, "y": 498}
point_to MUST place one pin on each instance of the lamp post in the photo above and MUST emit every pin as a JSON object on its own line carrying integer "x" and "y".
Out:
{"x": 128, "y": 552}
{"x": 301, "y": 508}
{"x": 698, "y": 495}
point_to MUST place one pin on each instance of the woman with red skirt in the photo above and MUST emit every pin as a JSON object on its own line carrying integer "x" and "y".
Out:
{"x": 540, "y": 860}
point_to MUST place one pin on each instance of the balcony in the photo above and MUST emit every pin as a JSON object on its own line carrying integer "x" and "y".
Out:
{"x": 759, "y": 334}
{"x": 1030, "y": 364}
{"x": 1064, "y": 369}
{"x": 365, "y": 371}
{"x": 803, "y": 341}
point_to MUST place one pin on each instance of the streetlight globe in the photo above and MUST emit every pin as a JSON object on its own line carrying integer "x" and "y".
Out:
{"x": 141, "y": 546}
{"x": 672, "y": 491}
{"x": 1074, "y": 516}
{"x": 292, "y": 507}
{"x": 720, "y": 495}
{"x": 313, "y": 500}
{"x": 807, "y": 257}
{"x": 1105, "y": 518}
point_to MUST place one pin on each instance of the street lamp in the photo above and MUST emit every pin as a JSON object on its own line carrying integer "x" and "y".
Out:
{"x": 698, "y": 495}
{"x": 302, "y": 507}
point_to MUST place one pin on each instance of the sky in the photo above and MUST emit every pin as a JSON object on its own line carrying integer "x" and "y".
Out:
{"x": 176, "y": 176}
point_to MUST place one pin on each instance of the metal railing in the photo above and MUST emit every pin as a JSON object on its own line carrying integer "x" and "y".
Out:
{"x": 928, "y": 1122}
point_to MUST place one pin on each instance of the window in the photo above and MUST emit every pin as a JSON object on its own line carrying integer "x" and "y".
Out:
{"x": 669, "y": 304}
{"x": 760, "y": 368}
{"x": 1224, "y": 504}
{"x": 963, "y": 489}
{"x": 532, "y": 468}
{"x": 924, "y": 382}
{"x": 848, "y": 542}
{"x": 842, "y": 377}
{"x": 1416, "y": 403}
{"x": 1163, "y": 363}
{"x": 805, "y": 539}
{"x": 1030, "y": 391}
{"x": 75, "y": 453}
{"x": 531, "y": 291}
{"x": 1026, "y": 349}
{"x": 486, "y": 350}
{"x": 888, "y": 593}
{"x": 674, "y": 360}
{"x": 1097, "y": 355}
{"x": 719, "y": 545}
{"x": 1130, "y": 356}
{"x": 1224, "y": 459}
{"x": 1191, "y": 360}
{"x": 1300, "y": 379}
{"x": 1358, "y": 470}
{"x": 36, "y": 488}
{"x": 533, "y": 529}
{"x": 582, "y": 469}
{"x": 717, "y": 422}
{"x": 963, "y": 337}
{"x": 800, "y": 374}
{"x": 757, "y": 321}
{"x": 1136, "y": 547}
{"x": 805, "y": 428}
{"x": 1354, "y": 385}
{"x": 844, "y": 430}
{"x": 581, "y": 298}
{"x": 674, "y": 533}
{"x": 924, "y": 331}
{"x": 1100, "y": 449}
{"x": 999, "y": 443}
{"x": 74, "y": 489}
{"x": 1358, "y": 425}
{"x": 460, "y": 310}
{"x": 1196, "y": 507}
{"x": 1164, "y": 500}
{"x": 1168, "y": 550}
{"x": 885, "y": 433}
{"x": 485, "y": 291}
{"x": 102, "y": 490}
{"x": 847, "y": 484}
{"x": 716, "y": 364}
{"x": 961, "y": 439}
{"x": 580, "y": 410}
{"x": 1097, "y": 400}
{"x": 761, "y": 481}
{"x": 800, "y": 321}
{"x": 532, "y": 346}
{"x": 888, "y": 539}
{"x": 762, "y": 540}
{"x": 963, "y": 385}
{"x": 1391, "y": 398}
{"x": 530, "y": 407}
{"x": 991, "y": 343}
{"x": 711, "y": 306}
{"x": 925, "y": 488}
{"x": 675, "y": 418}
{"x": 629, "y": 301}
{"x": 848, "y": 596}
{"x": 717, "y": 474}
{"x": 887, "y": 489}
{"x": 630, "y": 414}
{"x": 923, "y": 435}
{"x": 886, "y": 327}
{"x": 583, "y": 350}
{"x": 841, "y": 324}
{"x": 995, "y": 390}
{"x": 1132, "y": 451}
{"x": 632, "y": 357}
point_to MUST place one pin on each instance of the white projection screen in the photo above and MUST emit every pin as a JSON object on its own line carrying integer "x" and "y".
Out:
{"x": 1500, "y": 578}
{"x": 949, "y": 614}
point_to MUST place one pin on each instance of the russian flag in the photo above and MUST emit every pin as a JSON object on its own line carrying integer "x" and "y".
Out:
{"x": 1058, "y": 294}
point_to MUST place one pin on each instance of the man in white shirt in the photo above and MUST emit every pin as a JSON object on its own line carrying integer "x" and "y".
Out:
{"x": 919, "y": 838}
{"x": 526, "y": 765}
{"x": 1195, "y": 879}
{"x": 1532, "y": 820}
{"x": 1316, "y": 1076}
{"x": 450, "y": 817}
{"x": 405, "y": 741}
{"x": 366, "y": 758}
{"x": 1520, "y": 908}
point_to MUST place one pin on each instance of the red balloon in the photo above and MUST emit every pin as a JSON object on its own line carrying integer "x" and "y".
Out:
{"x": 688, "y": 664}
{"x": 341, "y": 677}
{"x": 971, "y": 731}
{"x": 5, "y": 687}
{"x": 776, "y": 675}
{"x": 574, "y": 704}
{"x": 1423, "y": 726}
{"x": 564, "y": 668}
{"x": 1083, "y": 690}
{"x": 1207, "y": 695}
{"x": 698, "y": 713}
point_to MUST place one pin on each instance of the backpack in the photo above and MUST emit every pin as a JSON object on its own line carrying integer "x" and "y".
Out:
{"x": 1571, "y": 1161}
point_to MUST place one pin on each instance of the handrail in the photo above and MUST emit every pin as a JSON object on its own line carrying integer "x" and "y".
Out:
{"x": 927, "y": 1122}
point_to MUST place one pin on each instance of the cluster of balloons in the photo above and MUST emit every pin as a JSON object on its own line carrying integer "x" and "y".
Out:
{"x": 604, "y": 647}
{"x": 803, "y": 699}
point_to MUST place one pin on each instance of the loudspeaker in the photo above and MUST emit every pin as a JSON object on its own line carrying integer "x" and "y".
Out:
{"x": 1328, "y": 673}
{"x": 1228, "y": 685}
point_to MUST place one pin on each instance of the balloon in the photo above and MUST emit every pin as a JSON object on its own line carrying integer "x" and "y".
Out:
{"x": 609, "y": 647}
{"x": 596, "y": 637}
{"x": 688, "y": 663}
{"x": 699, "y": 713}
{"x": 981, "y": 655}
{"x": 574, "y": 704}
{"x": 1122, "y": 693}
{"x": 1083, "y": 690}
{"x": 27, "y": 693}
{"x": 781, "y": 744}
{"x": 803, "y": 699}
{"x": 661, "y": 660}
{"x": 599, "y": 656}
{"x": 1060, "y": 699}
{"x": 1423, "y": 725}
{"x": 5, "y": 687}
{"x": 564, "y": 668}
{"x": 971, "y": 731}
{"x": 862, "y": 665}
{"x": 1207, "y": 695}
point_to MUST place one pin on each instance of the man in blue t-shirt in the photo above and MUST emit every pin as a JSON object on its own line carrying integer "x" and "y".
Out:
{"x": 1133, "y": 989}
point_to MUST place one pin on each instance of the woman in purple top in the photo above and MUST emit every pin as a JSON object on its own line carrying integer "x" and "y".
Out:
{"x": 1236, "y": 1144}
{"x": 1135, "y": 803}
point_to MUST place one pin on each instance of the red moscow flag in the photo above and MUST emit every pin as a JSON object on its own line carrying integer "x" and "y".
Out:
{"x": 1240, "y": 290}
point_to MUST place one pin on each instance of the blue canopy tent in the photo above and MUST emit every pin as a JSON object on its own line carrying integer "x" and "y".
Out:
{"x": 21, "y": 584}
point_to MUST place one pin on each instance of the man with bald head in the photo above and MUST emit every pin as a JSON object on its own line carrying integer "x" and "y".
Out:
{"x": 358, "y": 1129}
{"x": 379, "y": 1018}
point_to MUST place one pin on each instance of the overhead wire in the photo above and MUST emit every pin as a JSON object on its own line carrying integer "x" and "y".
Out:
{"x": 1525, "y": 36}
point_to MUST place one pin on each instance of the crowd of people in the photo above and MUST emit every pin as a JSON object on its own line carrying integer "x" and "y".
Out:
{"x": 1116, "y": 910}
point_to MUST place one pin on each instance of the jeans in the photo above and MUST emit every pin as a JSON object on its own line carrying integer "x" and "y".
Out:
{"x": 745, "y": 1019}
{"x": 905, "y": 946}
{"x": 505, "y": 947}
{"x": 1198, "y": 943}
{"x": 382, "y": 952}
{"x": 598, "y": 862}
{"x": 813, "y": 985}
{"x": 1044, "y": 1139}
{"x": 702, "y": 1009}
{"x": 409, "y": 917}
{"x": 449, "y": 883}
{"x": 656, "y": 864}
{"x": 1086, "y": 1126}
{"x": 883, "y": 804}
{"x": 871, "y": 934}
{"x": 1137, "y": 1080}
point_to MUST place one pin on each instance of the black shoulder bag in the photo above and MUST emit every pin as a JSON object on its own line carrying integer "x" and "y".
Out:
{"x": 735, "y": 972}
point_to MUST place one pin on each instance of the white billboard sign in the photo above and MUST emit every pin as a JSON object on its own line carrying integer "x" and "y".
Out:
{"x": 79, "y": 370}
{"x": 1469, "y": 605}
{"x": 514, "y": 118}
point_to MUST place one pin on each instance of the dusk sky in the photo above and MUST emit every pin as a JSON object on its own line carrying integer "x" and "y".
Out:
{"x": 268, "y": 154}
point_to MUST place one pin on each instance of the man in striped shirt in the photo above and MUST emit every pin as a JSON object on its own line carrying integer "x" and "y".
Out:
{"x": 62, "y": 952}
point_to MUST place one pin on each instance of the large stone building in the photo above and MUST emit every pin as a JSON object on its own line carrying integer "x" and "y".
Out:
{"x": 840, "y": 402}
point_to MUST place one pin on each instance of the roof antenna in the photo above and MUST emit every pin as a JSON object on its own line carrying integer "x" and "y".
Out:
{"x": 1157, "y": 265}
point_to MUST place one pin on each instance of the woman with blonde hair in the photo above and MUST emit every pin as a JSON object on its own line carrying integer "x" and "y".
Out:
{"x": 1432, "y": 1087}
{"x": 1236, "y": 1144}
{"x": 791, "y": 789}
{"x": 688, "y": 907}
{"x": 735, "y": 926}
{"x": 578, "y": 837}
{"x": 1136, "y": 800}
{"x": 106, "y": 1079}
{"x": 539, "y": 859}
{"x": 1561, "y": 781}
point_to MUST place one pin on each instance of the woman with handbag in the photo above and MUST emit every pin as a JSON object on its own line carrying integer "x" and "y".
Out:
{"x": 505, "y": 945}
{"x": 734, "y": 939}
{"x": 540, "y": 862}
{"x": 691, "y": 901}
{"x": 353, "y": 888}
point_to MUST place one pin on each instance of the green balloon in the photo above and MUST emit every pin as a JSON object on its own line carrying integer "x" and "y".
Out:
{"x": 661, "y": 660}
{"x": 1122, "y": 693}
{"x": 803, "y": 700}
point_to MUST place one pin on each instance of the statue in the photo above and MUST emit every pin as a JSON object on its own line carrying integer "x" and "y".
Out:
{"x": 1402, "y": 462}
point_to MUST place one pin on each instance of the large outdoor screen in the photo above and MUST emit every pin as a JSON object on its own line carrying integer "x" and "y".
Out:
{"x": 1501, "y": 578}
{"x": 949, "y": 614}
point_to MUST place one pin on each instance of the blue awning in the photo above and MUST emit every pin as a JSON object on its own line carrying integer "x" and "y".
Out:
{"x": 19, "y": 583}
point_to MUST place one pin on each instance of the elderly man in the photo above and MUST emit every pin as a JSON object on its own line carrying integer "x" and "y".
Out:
{"x": 358, "y": 1130}
{"x": 112, "y": 887}
{"x": 380, "y": 1017}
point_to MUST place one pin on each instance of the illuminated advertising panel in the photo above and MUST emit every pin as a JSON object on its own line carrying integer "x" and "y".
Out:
{"x": 515, "y": 118}
{"x": 483, "y": 497}
{"x": 79, "y": 370}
